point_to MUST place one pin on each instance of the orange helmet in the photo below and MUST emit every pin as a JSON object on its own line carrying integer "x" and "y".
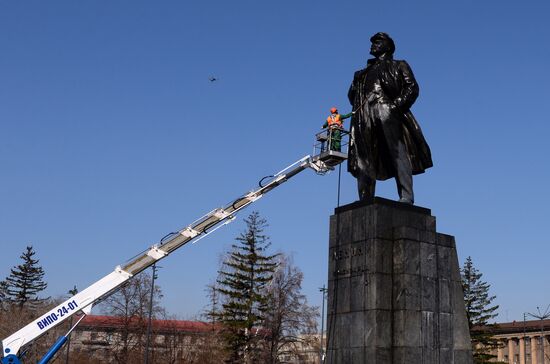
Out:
{"x": 333, "y": 110}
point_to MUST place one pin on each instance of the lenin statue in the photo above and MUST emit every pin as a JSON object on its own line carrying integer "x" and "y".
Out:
{"x": 386, "y": 140}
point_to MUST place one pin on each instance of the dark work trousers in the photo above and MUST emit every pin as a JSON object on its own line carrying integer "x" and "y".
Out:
{"x": 388, "y": 122}
{"x": 335, "y": 136}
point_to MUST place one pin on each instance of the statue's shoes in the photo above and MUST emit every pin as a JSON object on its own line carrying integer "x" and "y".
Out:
{"x": 406, "y": 200}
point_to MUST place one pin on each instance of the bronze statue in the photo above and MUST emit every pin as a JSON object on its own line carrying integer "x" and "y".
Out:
{"x": 386, "y": 140}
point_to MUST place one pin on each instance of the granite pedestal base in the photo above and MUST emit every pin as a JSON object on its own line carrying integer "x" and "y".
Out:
{"x": 394, "y": 289}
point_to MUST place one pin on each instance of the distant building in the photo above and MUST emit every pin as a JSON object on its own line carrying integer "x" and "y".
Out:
{"x": 98, "y": 339}
{"x": 523, "y": 342}
{"x": 305, "y": 351}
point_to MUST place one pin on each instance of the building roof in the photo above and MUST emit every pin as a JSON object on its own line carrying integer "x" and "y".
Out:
{"x": 517, "y": 327}
{"x": 112, "y": 323}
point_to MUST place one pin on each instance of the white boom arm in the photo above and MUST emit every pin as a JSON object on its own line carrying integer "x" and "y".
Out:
{"x": 88, "y": 297}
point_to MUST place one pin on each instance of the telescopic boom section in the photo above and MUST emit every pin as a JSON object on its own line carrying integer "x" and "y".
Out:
{"x": 84, "y": 300}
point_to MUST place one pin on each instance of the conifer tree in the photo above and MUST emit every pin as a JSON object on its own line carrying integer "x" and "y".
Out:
{"x": 242, "y": 282}
{"x": 480, "y": 310}
{"x": 26, "y": 280}
{"x": 212, "y": 312}
{"x": 3, "y": 292}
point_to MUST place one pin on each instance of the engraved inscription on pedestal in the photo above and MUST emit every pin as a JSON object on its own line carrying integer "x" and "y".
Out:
{"x": 350, "y": 260}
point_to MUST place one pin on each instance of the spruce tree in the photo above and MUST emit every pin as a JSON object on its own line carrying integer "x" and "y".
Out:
{"x": 242, "y": 282}
{"x": 26, "y": 280}
{"x": 3, "y": 292}
{"x": 480, "y": 311}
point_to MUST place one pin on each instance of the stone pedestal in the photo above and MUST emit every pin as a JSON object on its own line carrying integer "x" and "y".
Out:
{"x": 394, "y": 289}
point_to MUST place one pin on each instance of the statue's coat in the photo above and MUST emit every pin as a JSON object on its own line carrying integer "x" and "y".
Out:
{"x": 366, "y": 152}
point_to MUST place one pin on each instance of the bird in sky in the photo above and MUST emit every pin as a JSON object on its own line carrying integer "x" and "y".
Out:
{"x": 212, "y": 79}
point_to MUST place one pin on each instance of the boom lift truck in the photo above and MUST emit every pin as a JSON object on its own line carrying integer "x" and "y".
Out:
{"x": 321, "y": 162}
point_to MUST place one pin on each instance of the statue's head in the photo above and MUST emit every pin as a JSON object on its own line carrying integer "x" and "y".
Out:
{"x": 381, "y": 43}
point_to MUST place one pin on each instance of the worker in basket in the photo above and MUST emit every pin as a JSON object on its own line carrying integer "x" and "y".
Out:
{"x": 335, "y": 124}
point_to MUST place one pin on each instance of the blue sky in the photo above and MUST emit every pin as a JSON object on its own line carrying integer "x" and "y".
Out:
{"x": 111, "y": 134}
